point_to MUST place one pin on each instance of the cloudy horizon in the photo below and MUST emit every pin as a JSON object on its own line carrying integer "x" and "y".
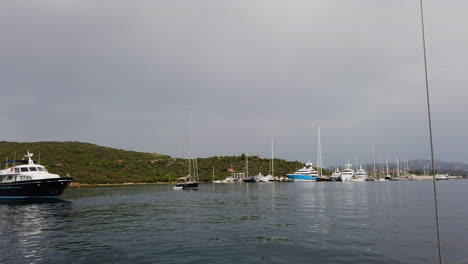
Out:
{"x": 121, "y": 74}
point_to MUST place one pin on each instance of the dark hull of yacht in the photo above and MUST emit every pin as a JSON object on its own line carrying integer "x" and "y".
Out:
{"x": 34, "y": 189}
{"x": 188, "y": 185}
{"x": 249, "y": 179}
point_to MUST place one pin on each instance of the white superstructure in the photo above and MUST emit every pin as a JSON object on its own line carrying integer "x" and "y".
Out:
{"x": 26, "y": 172}
{"x": 307, "y": 170}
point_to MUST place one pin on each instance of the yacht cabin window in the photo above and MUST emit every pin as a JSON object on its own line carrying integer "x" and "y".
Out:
{"x": 17, "y": 170}
{"x": 39, "y": 169}
{"x": 24, "y": 169}
{"x": 32, "y": 169}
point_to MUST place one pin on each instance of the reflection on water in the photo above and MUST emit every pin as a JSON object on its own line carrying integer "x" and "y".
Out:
{"x": 389, "y": 222}
{"x": 27, "y": 226}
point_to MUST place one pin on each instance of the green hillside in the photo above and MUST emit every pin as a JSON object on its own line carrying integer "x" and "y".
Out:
{"x": 88, "y": 163}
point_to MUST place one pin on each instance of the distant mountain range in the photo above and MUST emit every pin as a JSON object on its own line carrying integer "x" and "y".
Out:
{"x": 440, "y": 165}
{"x": 456, "y": 168}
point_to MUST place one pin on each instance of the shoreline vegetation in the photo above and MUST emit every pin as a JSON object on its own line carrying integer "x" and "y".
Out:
{"x": 91, "y": 164}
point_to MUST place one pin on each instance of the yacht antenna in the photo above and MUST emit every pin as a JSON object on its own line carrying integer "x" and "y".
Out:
{"x": 430, "y": 131}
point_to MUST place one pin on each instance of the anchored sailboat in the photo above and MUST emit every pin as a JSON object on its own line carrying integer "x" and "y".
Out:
{"x": 189, "y": 182}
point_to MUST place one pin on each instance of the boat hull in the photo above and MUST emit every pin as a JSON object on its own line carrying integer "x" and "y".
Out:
{"x": 344, "y": 178}
{"x": 34, "y": 189}
{"x": 186, "y": 186}
{"x": 251, "y": 179}
{"x": 298, "y": 177}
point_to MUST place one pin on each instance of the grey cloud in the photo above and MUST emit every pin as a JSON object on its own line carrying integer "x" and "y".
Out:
{"x": 121, "y": 73}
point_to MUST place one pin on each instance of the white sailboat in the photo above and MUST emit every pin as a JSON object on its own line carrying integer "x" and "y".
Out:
{"x": 248, "y": 178}
{"x": 387, "y": 174}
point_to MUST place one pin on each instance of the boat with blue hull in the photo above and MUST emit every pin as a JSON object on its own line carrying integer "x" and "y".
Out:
{"x": 31, "y": 181}
{"x": 308, "y": 173}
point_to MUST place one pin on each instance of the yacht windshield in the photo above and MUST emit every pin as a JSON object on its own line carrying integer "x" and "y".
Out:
{"x": 32, "y": 169}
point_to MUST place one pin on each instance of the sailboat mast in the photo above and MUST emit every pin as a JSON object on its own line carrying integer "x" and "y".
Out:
{"x": 439, "y": 244}
{"x": 407, "y": 165}
{"x": 319, "y": 152}
{"x": 247, "y": 164}
{"x": 272, "y": 167}
{"x": 386, "y": 163}
{"x": 189, "y": 147}
{"x": 195, "y": 169}
{"x": 355, "y": 160}
{"x": 398, "y": 166}
{"x": 373, "y": 154}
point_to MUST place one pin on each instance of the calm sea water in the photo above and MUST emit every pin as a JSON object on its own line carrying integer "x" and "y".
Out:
{"x": 381, "y": 222}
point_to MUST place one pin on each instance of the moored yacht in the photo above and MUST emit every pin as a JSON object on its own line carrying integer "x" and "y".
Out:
{"x": 441, "y": 177}
{"x": 361, "y": 175}
{"x": 347, "y": 173}
{"x": 249, "y": 179}
{"x": 308, "y": 173}
{"x": 263, "y": 178}
{"x": 336, "y": 175}
{"x": 31, "y": 181}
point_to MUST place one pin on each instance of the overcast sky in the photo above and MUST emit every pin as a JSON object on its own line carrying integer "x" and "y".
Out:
{"x": 121, "y": 74}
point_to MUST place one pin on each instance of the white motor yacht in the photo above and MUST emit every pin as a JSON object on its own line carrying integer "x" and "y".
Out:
{"x": 360, "y": 175}
{"x": 30, "y": 181}
{"x": 336, "y": 175}
{"x": 347, "y": 173}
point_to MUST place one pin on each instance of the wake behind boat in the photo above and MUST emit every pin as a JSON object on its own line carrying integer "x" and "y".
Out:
{"x": 31, "y": 181}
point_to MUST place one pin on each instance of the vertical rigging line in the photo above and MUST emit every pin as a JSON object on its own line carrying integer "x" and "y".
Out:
{"x": 430, "y": 133}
